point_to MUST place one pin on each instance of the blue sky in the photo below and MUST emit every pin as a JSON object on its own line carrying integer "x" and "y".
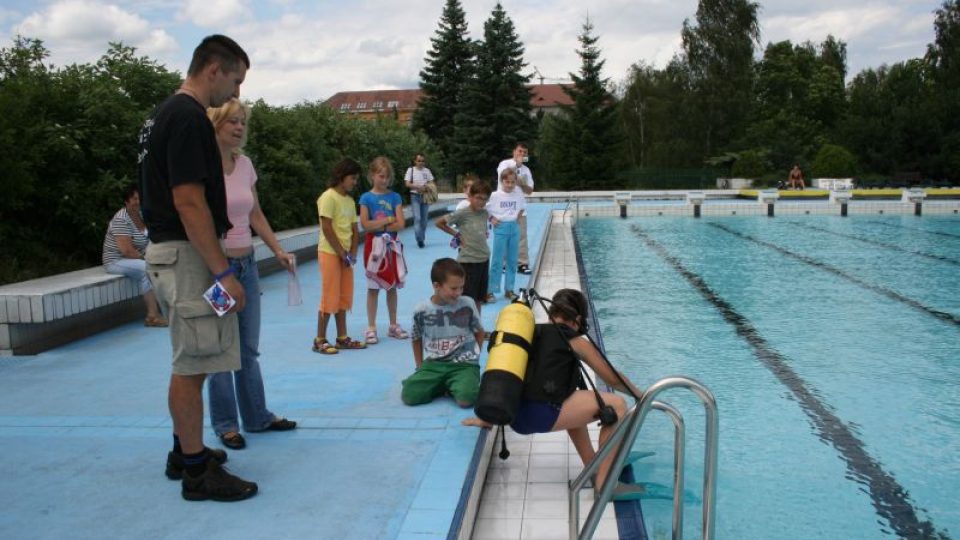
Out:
{"x": 309, "y": 50}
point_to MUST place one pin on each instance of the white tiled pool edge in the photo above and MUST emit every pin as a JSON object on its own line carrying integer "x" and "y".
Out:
{"x": 525, "y": 497}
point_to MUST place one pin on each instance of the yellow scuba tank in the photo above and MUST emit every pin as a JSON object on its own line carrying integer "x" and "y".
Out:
{"x": 502, "y": 384}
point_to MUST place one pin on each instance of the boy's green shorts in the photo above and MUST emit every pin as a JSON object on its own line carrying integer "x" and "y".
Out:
{"x": 435, "y": 379}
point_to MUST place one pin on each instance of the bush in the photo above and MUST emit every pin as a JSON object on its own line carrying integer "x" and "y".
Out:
{"x": 750, "y": 164}
{"x": 833, "y": 161}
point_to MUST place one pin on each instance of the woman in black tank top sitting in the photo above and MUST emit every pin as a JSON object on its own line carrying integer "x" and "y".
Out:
{"x": 554, "y": 395}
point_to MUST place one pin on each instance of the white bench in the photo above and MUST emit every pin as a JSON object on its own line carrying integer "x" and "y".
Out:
{"x": 43, "y": 313}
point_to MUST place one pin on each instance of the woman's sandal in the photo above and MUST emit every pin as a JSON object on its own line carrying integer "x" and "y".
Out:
{"x": 322, "y": 346}
{"x": 155, "y": 322}
{"x": 370, "y": 336}
{"x": 397, "y": 332}
{"x": 347, "y": 343}
{"x": 233, "y": 440}
{"x": 281, "y": 424}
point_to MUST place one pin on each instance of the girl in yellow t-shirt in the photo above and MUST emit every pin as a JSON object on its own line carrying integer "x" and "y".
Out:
{"x": 337, "y": 252}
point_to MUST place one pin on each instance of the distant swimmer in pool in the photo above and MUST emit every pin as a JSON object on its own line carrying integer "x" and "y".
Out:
{"x": 554, "y": 394}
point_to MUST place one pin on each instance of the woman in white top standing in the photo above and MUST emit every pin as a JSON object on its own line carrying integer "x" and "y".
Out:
{"x": 416, "y": 178}
{"x": 123, "y": 249}
{"x": 243, "y": 388}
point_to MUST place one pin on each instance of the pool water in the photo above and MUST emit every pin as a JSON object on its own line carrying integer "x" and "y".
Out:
{"x": 833, "y": 348}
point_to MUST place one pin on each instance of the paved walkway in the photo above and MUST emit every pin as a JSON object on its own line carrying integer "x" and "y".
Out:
{"x": 525, "y": 496}
{"x": 85, "y": 431}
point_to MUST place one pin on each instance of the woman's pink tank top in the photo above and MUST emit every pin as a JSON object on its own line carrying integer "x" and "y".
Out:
{"x": 240, "y": 203}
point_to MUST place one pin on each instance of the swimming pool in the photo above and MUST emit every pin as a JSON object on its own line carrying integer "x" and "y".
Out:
{"x": 832, "y": 346}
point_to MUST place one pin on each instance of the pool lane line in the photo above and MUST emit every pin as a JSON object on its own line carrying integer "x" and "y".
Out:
{"x": 942, "y": 315}
{"x": 917, "y": 229}
{"x": 884, "y": 245}
{"x": 890, "y": 500}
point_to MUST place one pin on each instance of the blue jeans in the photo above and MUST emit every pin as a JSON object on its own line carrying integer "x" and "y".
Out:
{"x": 135, "y": 269}
{"x": 506, "y": 249}
{"x": 249, "y": 394}
{"x": 420, "y": 216}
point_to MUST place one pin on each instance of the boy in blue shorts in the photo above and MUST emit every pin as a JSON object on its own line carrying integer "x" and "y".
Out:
{"x": 446, "y": 334}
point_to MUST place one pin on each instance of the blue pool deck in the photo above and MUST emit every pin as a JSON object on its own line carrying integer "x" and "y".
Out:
{"x": 85, "y": 432}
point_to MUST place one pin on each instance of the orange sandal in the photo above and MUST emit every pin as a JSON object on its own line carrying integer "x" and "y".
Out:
{"x": 322, "y": 346}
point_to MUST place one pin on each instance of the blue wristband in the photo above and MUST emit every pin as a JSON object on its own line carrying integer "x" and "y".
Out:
{"x": 224, "y": 274}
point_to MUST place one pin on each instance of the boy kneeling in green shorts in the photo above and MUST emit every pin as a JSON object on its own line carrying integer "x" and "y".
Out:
{"x": 447, "y": 334}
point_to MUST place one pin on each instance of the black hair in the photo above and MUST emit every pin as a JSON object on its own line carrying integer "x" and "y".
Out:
{"x": 571, "y": 305}
{"x": 130, "y": 191}
{"x": 444, "y": 268}
{"x": 343, "y": 169}
{"x": 218, "y": 48}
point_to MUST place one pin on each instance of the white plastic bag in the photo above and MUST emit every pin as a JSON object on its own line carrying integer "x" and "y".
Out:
{"x": 293, "y": 284}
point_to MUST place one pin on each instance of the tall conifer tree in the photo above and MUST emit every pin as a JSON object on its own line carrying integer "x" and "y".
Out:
{"x": 495, "y": 113}
{"x": 584, "y": 142}
{"x": 442, "y": 80}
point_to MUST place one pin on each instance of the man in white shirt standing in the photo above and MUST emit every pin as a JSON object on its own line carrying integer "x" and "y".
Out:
{"x": 525, "y": 183}
{"x": 416, "y": 178}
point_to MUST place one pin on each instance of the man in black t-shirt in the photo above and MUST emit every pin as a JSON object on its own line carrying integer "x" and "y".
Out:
{"x": 185, "y": 209}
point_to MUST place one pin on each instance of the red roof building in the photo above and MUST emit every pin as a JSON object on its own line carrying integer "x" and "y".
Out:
{"x": 370, "y": 104}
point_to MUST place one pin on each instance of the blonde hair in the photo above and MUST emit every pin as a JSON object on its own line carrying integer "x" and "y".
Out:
{"x": 509, "y": 170}
{"x": 470, "y": 178}
{"x": 380, "y": 163}
{"x": 220, "y": 115}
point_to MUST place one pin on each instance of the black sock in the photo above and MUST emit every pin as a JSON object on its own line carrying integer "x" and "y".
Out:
{"x": 195, "y": 464}
{"x": 176, "y": 445}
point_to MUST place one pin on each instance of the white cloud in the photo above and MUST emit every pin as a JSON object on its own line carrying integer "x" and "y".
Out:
{"x": 310, "y": 49}
{"x": 215, "y": 13}
{"x": 845, "y": 24}
{"x": 79, "y": 30}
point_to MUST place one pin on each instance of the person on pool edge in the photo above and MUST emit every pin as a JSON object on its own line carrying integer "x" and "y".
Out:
{"x": 554, "y": 396}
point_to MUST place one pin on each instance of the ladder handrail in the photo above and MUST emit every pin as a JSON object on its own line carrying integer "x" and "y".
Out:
{"x": 627, "y": 430}
{"x": 679, "y": 438}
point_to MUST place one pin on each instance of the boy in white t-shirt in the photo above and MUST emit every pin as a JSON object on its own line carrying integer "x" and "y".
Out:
{"x": 517, "y": 162}
{"x": 506, "y": 206}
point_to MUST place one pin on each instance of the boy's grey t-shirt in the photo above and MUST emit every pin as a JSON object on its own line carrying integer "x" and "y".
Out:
{"x": 473, "y": 228}
{"x": 448, "y": 331}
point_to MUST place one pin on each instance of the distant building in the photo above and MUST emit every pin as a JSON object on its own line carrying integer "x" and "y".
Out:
{"x": 401, "y": 104}
{"x": 548, "y": 98}
{"x": 370, "y": 104}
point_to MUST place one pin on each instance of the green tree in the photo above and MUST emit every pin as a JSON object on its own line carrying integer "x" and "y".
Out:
{"x": 893, "y": 123}
{"x": 833, "y": 53}
{"x": 67, "y": 146}
{"x": 584, "y": 141}
{"x": 799, "y": 99}
{"x": 443, "y": 79}
{"x": 496, "y": 111}
{"x": 719, "y": 50}
{"x": 944, "y": 57}
{"x": 655, "y": 113}
{"x": 833, "y": 161}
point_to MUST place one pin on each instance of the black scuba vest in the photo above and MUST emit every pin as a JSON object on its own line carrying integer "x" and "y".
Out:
{"x": 553, "y": 371}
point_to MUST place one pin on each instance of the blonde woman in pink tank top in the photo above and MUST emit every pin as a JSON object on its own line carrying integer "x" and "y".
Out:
{"x": 244, "y": 388}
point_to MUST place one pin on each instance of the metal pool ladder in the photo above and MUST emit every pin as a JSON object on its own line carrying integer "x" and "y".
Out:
{"x": 627, "y": 432}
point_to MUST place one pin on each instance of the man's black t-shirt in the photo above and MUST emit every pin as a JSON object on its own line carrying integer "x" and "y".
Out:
{"x": 178, "y": 145}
